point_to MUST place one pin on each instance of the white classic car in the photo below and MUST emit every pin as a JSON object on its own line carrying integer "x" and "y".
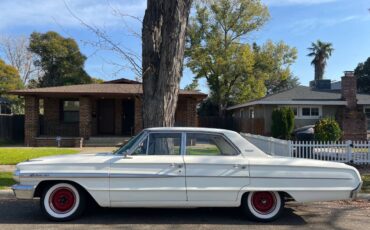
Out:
{"x": 182, "y": 167}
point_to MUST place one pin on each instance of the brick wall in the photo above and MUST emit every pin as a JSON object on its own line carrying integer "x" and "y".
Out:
{"x": 353, "y": 123}
{"x": 351, "y": 118}
{"x": 349, "y": 89}
{"x": 31, "y": 120}
{"x": 85, "y": 117}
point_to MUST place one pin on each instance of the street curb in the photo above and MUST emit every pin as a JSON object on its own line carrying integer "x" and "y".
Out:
{"x": 6, "y": 194}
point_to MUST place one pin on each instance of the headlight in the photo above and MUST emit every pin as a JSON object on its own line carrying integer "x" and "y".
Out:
{"x": 16, "y": 175}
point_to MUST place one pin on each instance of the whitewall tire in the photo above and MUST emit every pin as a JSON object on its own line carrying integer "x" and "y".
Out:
{"x": 62, "y": 201}
{"x": 263, "y": 206}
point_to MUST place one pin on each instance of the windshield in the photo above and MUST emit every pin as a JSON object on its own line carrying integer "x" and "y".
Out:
{"x": 129, "y": 144}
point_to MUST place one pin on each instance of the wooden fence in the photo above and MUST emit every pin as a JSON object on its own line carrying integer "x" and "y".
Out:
{"x": 356, "y": 152}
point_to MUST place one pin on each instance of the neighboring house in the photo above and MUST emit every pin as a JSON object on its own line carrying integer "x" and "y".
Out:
{"x": 111, "y": 109}
{"x": 5, "y": 107}
{"x": 351, "y": 110}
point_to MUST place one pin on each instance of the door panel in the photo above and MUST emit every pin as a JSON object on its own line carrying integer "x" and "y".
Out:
{"x": 106, "y": 110}
{"x": 155, "y": 172}
{"x": 215, "y": 178}
{"x": 214, "y": 170}
{"x": 147, "y": 178}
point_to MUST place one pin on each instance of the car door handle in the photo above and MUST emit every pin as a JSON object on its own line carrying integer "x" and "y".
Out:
{"x": 238, "y": 166}
{"x": 175, "y": 165}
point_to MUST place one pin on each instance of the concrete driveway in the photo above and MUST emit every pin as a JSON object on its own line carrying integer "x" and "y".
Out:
{"x": 327, "y": 215}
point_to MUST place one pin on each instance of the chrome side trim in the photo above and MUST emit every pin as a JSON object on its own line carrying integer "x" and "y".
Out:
{"x": 142, "y": 175}
{"x": 64, "y": 175}
{"x": 129, "y": 175}
{"x": 23, "y": 191}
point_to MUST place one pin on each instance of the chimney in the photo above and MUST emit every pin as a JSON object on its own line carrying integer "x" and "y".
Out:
{"x": 349, "y": 89}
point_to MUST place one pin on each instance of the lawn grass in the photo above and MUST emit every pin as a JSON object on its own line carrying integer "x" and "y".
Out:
{"x": 12, "y": 156}
{"x": 6, "y": 180}
{"x": 202, "y": 151}
{"x": 366, "y": 184}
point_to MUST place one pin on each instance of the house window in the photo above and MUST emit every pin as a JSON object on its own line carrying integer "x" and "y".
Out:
{"x": 251, "y": 112}
{"x": 310, "y": 111}
{"x": 70, "y": 111}
{"x": 5, "y": 109}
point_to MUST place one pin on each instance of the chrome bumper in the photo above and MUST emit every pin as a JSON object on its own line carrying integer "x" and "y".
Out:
{"x": 23, "y": 191}
{"x": 355, "y": 191}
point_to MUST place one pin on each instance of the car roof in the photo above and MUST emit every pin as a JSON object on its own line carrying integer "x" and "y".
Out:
{"x": 190, "y": 129}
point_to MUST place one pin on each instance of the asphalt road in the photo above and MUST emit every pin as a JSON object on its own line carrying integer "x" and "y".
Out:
{"x": 329, "y": 215}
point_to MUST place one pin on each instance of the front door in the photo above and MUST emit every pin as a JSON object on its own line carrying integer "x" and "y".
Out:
{"x": 215, "y": 171}
{"x": 154, "y": 174}
{"x": 128, "y": 117}
{"x": 106, "y": 110}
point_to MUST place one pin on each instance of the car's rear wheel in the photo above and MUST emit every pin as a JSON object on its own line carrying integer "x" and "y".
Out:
{"x": 62, "y": 201}
{"x": 262, "y": 206}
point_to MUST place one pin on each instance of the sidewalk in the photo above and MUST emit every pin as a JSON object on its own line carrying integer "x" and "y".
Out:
{"x": 7, "y": 168}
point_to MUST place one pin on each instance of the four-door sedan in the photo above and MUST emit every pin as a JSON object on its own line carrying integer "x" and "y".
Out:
{"x": 182, "y": 167}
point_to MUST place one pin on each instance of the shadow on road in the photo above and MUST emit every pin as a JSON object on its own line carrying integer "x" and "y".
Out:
{"x": 28, "y": 212}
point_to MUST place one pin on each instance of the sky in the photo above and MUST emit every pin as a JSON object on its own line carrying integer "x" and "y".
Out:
{"x": 344, "y": 23}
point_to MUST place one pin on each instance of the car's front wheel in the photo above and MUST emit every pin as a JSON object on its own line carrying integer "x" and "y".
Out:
{"x": 62, "y": 201}
{"x": 262, "y": 206}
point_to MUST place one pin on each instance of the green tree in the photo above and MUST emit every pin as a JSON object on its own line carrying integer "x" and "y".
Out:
{"x": 10, "y": 80}
{"x": 327, "y": 129}
{"x": 96, "y": 80}
{"x": 272, "y": 63}
{"x": 282, "y": 122}
{"x": 60, "y": 60}
{"x": 320, "y": 51}
{"x": 362, "y": 73}
{"x": 194, "y": 85}
{"x": 216, "y": 50}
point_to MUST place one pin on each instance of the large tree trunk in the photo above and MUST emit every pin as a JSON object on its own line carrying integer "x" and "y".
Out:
{"x": 163, "y": 43}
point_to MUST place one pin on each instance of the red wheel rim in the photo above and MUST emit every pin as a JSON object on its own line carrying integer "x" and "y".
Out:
{"x": 263, "y": 202}
{"x": 62, "y": 200}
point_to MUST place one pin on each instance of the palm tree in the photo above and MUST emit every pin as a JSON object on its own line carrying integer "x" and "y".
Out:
{"x": 320, "y": 51}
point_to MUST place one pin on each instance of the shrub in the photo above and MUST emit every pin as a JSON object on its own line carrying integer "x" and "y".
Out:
{"x": 282, "y": 122}
{"x": 327, "y": 129}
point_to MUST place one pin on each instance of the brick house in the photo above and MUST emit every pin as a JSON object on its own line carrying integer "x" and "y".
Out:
{"x": 321, "y": 99}
{"x": 110, "y": 111}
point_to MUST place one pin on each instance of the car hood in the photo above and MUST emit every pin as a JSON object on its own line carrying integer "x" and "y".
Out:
{"x": 93, "y": 158}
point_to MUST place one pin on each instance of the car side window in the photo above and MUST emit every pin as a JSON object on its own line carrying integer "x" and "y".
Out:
{"x": 164, "y": 144}
{"x": 203, "y": 144}
{"x": 141, "y": 148}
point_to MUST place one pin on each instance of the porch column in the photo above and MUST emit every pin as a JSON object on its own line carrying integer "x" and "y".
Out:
{"x": 85, "y": 117}
{"x": 31, "y": 120}
{"x": 138, "y": 115}
{"x": 191, "y": 112}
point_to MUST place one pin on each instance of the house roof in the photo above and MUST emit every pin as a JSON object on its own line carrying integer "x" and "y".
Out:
{"x": 112, "y": 89}
{"x": 302, "y": 95}
{"x": 122, "y": 81}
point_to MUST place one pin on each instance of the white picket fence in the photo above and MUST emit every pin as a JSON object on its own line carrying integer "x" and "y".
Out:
{"x": 356, "y": 152}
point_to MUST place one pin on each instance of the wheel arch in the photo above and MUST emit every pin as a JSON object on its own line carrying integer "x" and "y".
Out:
{"x": 285, "y": 195}
{"x": 43, "y": 184}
